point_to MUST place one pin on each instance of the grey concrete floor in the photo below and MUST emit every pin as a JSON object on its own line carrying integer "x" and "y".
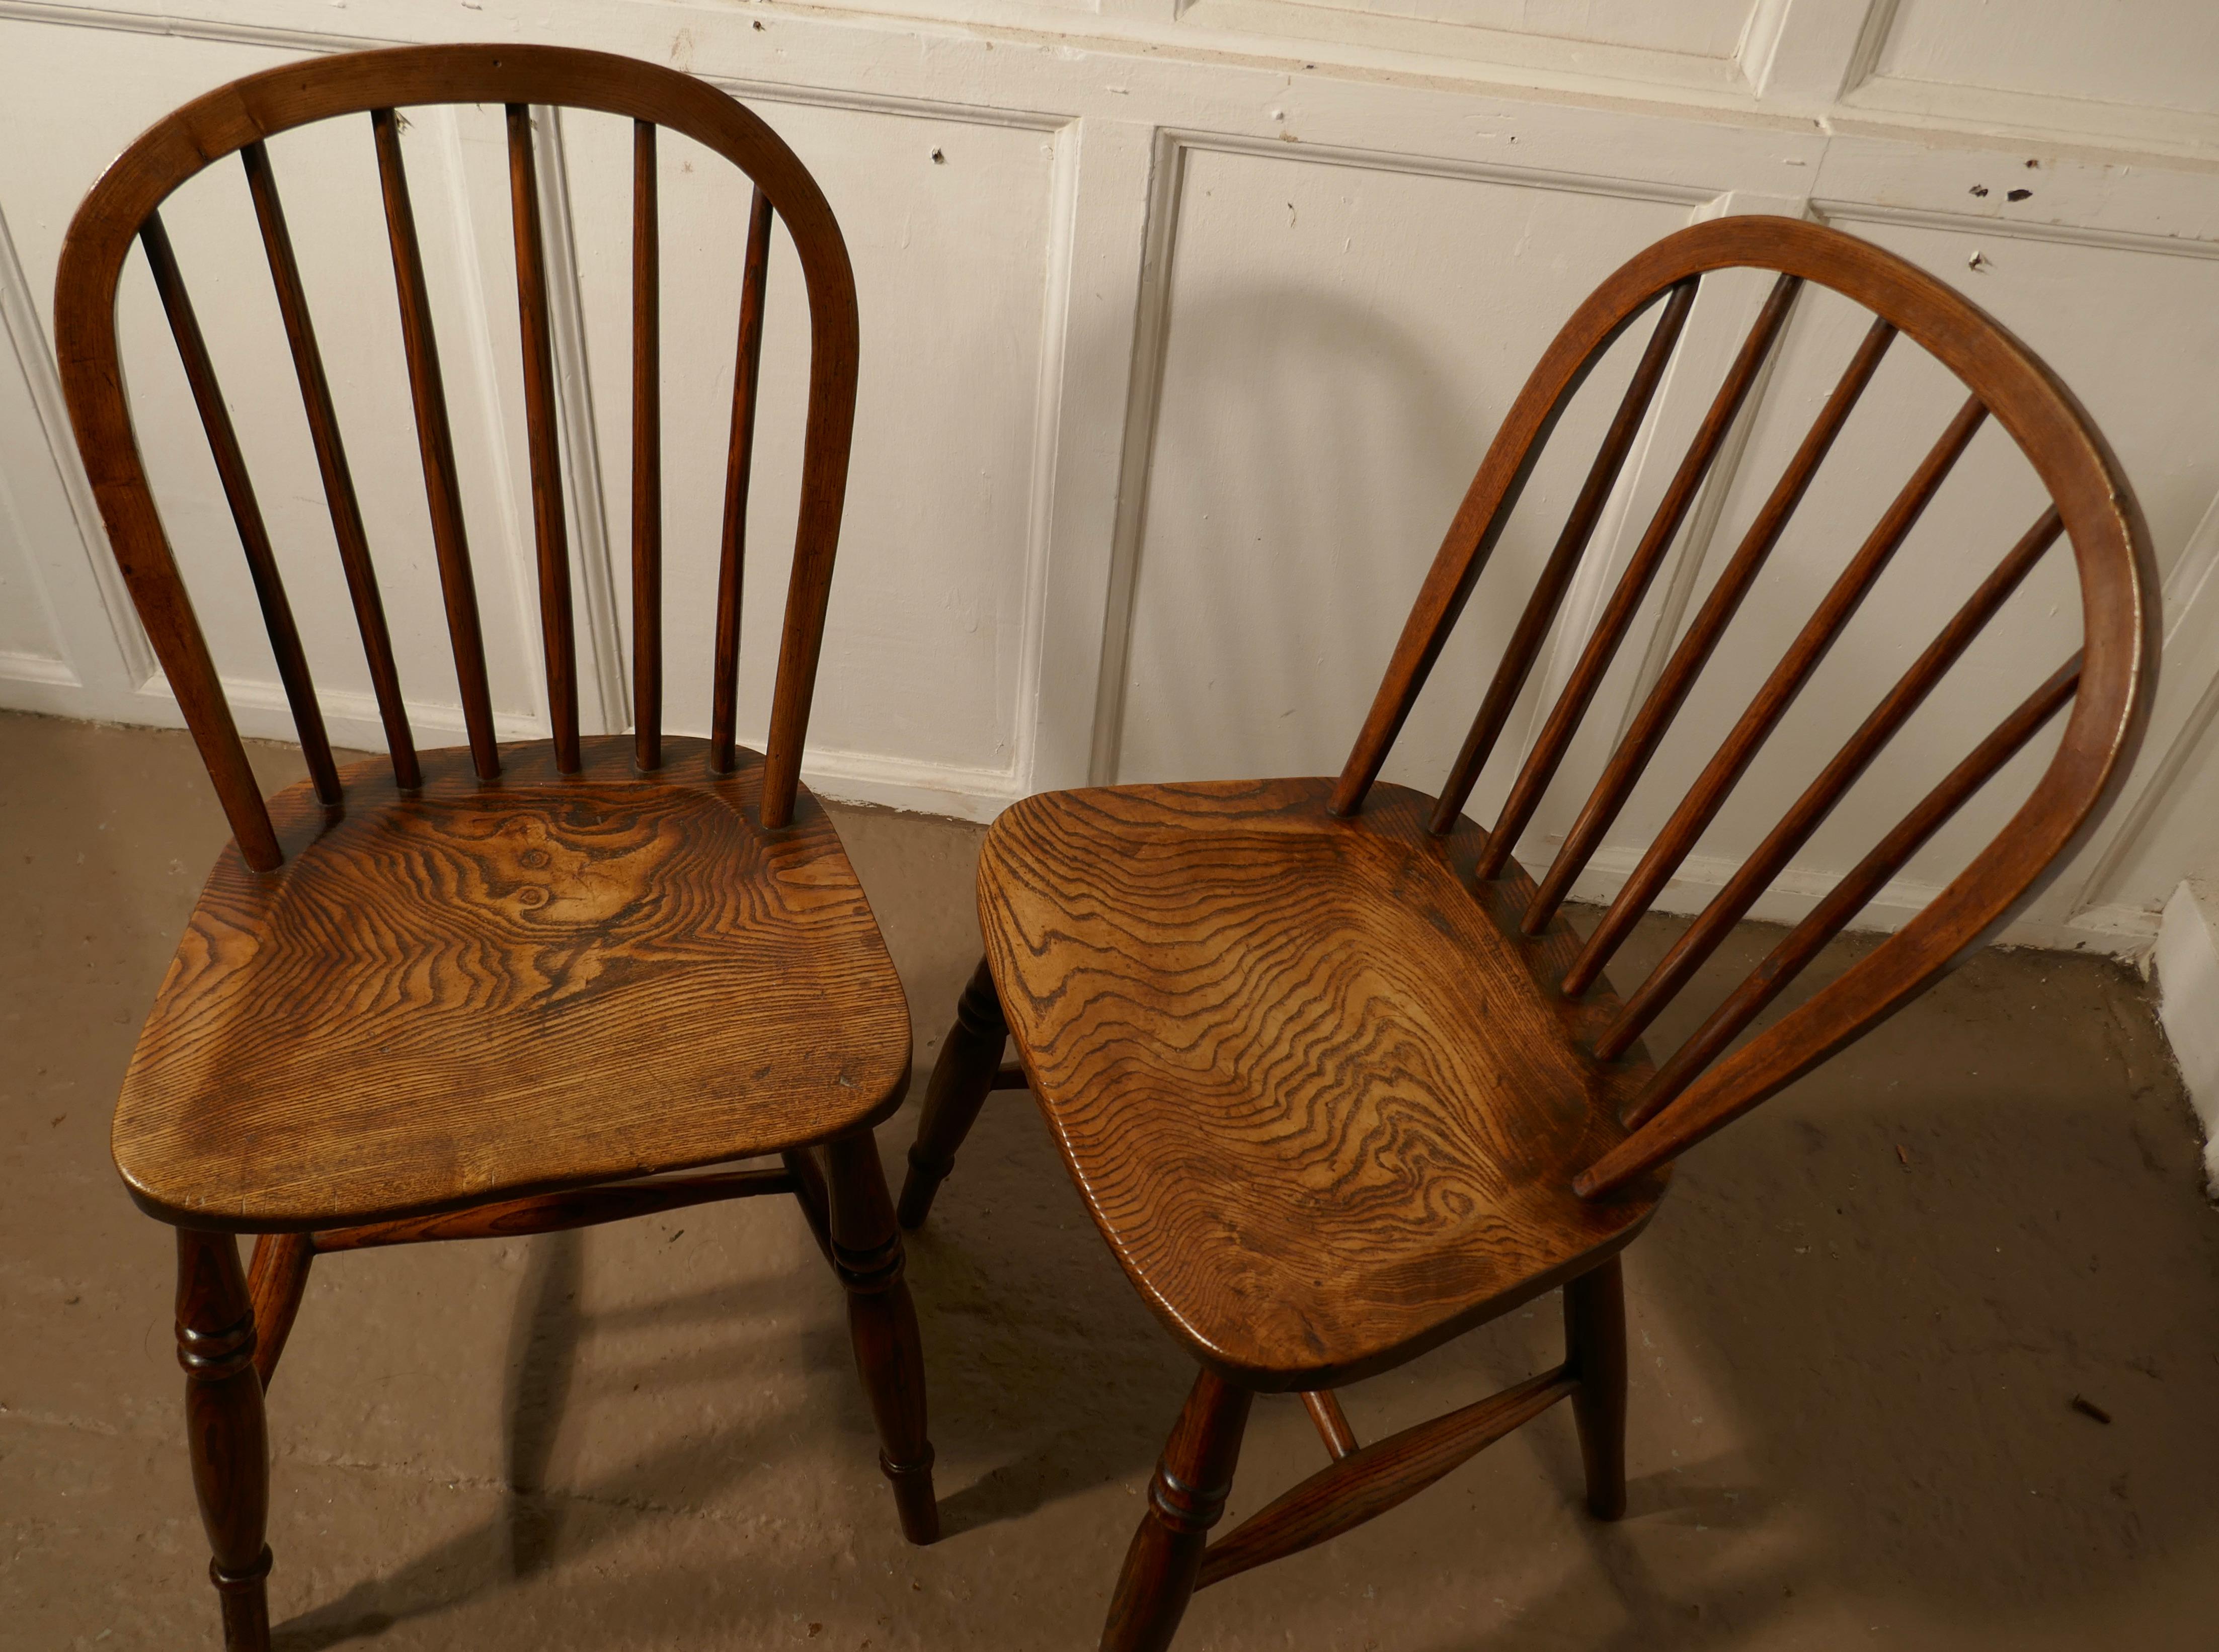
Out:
{"x": 1858, "y": 1325}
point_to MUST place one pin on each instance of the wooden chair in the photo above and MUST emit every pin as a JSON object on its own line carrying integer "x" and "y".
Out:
{"x": 1333, "y": 1073}
{"x": 486, "y": 992}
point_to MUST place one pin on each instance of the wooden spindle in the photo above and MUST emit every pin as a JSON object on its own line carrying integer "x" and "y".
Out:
{"x": 1556, "y": 573}
{"x": 646, "y": 452}
{"x": 1368, "y": 1481}
{"x": 1674, "y": 1114}
{"x": 1650, "y": 723}
{"x": 1556, "y": 737}
{"x": 246, "y": 512}
{"x": 556, "y": 1213}
{"x": 1708, "y": 794}
{"x": 1324, "y": 1407}
{"x": 549, "y": 533}
{"x": 1732, "y": 904}
{"x": 332, "y": 462}
{"x": 435, "y": 440}
{"x": 1475, "y": 531}
{"x": 723, "y": 718}
{"x": 275, "y": 1281}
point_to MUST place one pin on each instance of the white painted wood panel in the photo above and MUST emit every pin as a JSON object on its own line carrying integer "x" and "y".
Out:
{"x": 1654, "y": 46}
{"x": 948, "y": 225}
{"x": 30, "y": 526}
{"x": 2164, "y": 52}
{"x": 2142, "y": 71}
{"x": 1990, "y": 497}
{"x": 1711, "y": 28}
{"x": 1329, "y": 384}
{"x": 1175, "y": 362}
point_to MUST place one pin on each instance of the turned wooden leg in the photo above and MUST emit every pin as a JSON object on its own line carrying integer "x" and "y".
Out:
{"x": 1594, "y": 1343}
{"x": 1185, "y": 1497}
{"x": 867, "y": 1253}
{"x": 275, "y": 1282}
{"x": 224, "y": 1428}
{"x": 961, "y": 1079}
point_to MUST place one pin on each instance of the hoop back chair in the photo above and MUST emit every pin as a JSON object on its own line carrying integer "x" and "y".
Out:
{"x": 491, "y": 990}
{"x": 1334, "y": 1072}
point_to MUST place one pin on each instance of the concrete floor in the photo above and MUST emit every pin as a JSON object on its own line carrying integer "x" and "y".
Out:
{"x": 1858, "y": 1325}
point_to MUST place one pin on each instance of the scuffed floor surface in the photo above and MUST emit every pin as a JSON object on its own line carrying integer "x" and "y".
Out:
{"x": 1858, "y": 1324}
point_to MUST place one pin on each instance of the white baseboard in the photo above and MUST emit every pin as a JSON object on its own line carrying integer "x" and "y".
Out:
{"x": 39, "y": 682}
{"x": 972, "y": 794}
{"x": 2109, "y": 931}
{"x": 979, "y": 794}
{"x": 351, "y": 719}
{"x": 260, "y": 708}
{"x": 2188, "y": 1002}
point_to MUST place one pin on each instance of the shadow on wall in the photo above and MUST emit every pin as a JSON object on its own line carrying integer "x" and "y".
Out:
{"x": 1282, "y": 540}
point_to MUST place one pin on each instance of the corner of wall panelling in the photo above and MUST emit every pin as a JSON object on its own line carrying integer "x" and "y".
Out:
{"x": 2187, "y": 960}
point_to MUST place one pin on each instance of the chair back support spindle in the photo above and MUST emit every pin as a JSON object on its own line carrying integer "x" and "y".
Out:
{"x": 121, "y": 210}
{"x": 1540, "y": 611}
{"x": 1631, "y": 758}
{"x": 739, "y": 469}
{"x": 1770, "y": 857}
{"x": 2107, "y": 684}
{"x": 1709, "y": 791}
{"x": 246, "y": 510}
{"x": 332, "y": 462}
{"x": 557, "y": 627}
{"x": 1705, "y": 1102}
{"x": 435, "y": 440}
{"x": 646, "y": 451}
{"x": 1541, "y": 763}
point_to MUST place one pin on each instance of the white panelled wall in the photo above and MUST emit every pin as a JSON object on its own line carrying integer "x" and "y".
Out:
{"x": 1184, "y": 328}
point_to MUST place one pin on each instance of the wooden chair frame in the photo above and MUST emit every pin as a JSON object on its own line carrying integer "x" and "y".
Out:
{"x": 1660, "y": 1111}
{"x": 232, "y": 1325}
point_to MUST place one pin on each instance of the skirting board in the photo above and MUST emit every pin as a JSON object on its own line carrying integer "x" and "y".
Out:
{"x": 49, "y": 688}
{"x": 2188, "y": 1002}
{"x": 2122, "y": 932}
{"x": 979, "y": 794}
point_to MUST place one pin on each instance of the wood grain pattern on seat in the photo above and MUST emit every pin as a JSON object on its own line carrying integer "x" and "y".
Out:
{"x": 1314, "y": 1094}
{"x": 479, "y": 990}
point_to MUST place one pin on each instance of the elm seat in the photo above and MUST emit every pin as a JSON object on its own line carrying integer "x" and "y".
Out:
{"x": 1322, "y": 1107}
{"x": 443, "y": 998}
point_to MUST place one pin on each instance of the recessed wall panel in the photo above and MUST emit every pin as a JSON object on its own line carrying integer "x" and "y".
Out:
{"x": 948, "y": 226}
{"x": 2082, "y": 308}
{"x": 2161, "y": 52}
{"x": 1340, "y": 344}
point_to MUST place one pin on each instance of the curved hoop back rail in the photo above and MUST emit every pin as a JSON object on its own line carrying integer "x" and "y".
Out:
{"x": 2107, "y": 683}
{"x": 236, "y": 120}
